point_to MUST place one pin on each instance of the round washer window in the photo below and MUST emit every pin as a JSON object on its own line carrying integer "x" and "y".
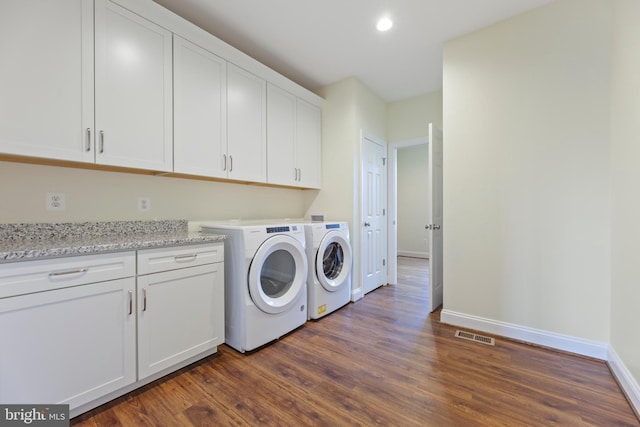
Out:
{"x": 277, "y": 273}
{"x": 332, "y": 260}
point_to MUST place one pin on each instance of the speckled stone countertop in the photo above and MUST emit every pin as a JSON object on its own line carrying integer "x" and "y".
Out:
{"x": 22, "y": 242}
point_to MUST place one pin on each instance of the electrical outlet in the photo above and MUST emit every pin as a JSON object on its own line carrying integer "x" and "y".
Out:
{"x": 56, "y": 201}
{"x": 144, "y": 204}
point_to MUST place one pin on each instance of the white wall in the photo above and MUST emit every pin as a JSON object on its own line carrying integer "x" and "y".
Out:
{"x": 106, "y": 196}
{"x": 526, "y": 172}
{"x": 413, "y": 203}
{"x": 625, "y": 176}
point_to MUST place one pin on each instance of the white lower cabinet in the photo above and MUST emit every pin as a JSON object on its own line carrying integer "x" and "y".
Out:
{"x": 73, "y": 330}
{"x": 181, "y": 309}
{"x": 74, "y": 343}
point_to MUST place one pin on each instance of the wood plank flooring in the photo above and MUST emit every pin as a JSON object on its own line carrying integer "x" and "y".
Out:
{"x": 381, "y": 361}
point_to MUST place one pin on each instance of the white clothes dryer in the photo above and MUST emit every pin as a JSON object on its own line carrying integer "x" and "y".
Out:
{"x": 329, "y": 262}
{"x": 265, "y": 280}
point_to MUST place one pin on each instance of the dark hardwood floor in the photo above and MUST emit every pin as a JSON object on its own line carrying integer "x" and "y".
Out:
{"x": 381, "y": 361}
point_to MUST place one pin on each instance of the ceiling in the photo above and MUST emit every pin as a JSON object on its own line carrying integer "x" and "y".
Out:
{"x": 316, "y": 43}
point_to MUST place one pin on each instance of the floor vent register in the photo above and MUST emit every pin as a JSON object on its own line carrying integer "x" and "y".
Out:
{"x": 475, "y": 337}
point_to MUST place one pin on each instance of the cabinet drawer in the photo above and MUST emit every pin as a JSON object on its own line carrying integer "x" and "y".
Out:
{"x": 164, "y": 259}
{"x": 26, "y": 277}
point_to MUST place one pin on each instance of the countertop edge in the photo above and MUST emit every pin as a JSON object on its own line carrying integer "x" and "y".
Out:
{"x": 31, "y": 251}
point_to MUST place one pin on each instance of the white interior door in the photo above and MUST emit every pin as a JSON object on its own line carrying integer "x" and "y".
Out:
{"x": 374, "y": 224}
{"x": 435, "y": 216}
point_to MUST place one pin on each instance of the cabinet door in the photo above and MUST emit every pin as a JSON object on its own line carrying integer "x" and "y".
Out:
{"x": 133, "y": 90}
{"x": 246, "y": 133}
{"x": 180, "y": 315}
{"x": 46, "y": 79}
{"x": 70, "y": 345}
{"x": 308, "y": 145}
{"x": 200, "y": 111}
{"x": 281, "y": 112}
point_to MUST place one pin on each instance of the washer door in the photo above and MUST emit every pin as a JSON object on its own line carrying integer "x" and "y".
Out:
{"x": 278, "y": 274}
{"x": 333, "y": 261}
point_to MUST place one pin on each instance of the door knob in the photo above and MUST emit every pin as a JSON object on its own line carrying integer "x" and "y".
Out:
{"x": 436, "y": 226}
{"x": 367, "y": 224}
{"x": 428, "y": 227}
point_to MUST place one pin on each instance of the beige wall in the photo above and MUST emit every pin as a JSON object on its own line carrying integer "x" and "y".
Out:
{"x": 349, "y": 109}
{"x": 625, "y": 176}
{"x": 409, "y": 119}
{"x": 106, "y": 196}
{"x": 413, "y": 204}
{"x": 526, "y": 177}
{"x": 408, "y": 122}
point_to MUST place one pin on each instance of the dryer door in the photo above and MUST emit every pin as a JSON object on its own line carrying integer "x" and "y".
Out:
{"x": 278, "y": 274}
{"x": 333, "y": 261}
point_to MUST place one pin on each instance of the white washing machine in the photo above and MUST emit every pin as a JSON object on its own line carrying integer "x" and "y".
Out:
{"x": 329, "y": 263}
{"x": 265, "y": 280}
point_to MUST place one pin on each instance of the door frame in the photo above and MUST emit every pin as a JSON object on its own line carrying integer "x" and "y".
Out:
{"x": 392, "y": 203}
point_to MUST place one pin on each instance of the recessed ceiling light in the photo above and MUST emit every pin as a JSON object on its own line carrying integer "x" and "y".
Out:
{"x": 384, "y": 24}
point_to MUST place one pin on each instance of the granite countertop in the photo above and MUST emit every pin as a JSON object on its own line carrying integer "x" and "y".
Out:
{"x": 23, "y": 242}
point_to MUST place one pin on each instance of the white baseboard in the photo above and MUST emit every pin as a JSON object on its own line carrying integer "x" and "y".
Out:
{"x": 595, "y": 349}
{"x": 413, "y": 254}
{"x": 356, "y": 294}
{"x": 625, "y": 379}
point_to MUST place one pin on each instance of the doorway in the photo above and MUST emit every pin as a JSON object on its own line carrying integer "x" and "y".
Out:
{"x": 392, "y": 191}
{"x": 433, "y": 217}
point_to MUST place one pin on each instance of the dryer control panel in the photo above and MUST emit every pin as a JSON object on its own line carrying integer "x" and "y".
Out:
{"x": 282, "y": 229}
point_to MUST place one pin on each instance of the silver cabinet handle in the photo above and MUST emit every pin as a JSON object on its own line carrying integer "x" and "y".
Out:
{"x": 130, "y": 303}
{"x": 224, "y": 160}
{"x": 64, "y": 273}
{"x": 144, "y": 299}
{"x": 299, "y": 174}
{"x": 295, "y": 174}
{"x": 101, "y": 142}
{"x": 230, "y": 163}
{"x": 88, "y": 147}
{"x": 188, "y": 257}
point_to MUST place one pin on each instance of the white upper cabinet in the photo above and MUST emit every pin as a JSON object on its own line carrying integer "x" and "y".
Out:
{"x": 246, "y": 157}
{"x": 308, "y": 144}
{"x": 293, "y": 140}
{"x": 127, "y": 83}
{"x": 281, "y": 137}
{"x": 200, "y": 110}
{"x": 46, "y": 79}
{"x": 133, "y": 68}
